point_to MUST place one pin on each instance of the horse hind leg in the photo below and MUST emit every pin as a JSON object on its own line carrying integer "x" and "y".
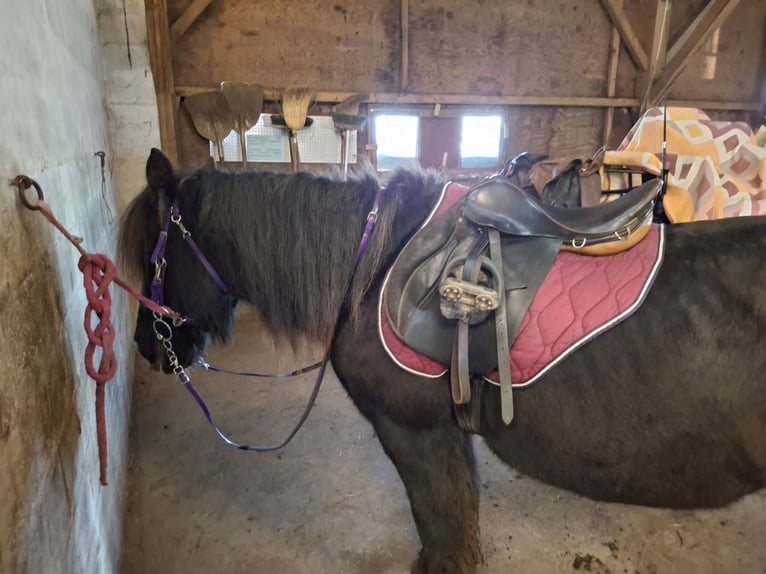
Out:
{"x": 436, "y": 466}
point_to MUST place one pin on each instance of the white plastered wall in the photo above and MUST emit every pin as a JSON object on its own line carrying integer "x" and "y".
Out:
{"x": 66, "y": 93}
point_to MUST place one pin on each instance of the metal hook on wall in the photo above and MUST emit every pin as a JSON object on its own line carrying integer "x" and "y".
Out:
{"x": 102, "y": 157}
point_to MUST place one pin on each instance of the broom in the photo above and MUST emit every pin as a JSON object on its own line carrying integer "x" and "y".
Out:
{"x": 295, "y": 106}
{"x": 345, "y": 119}
{"x": 245, "y": 102}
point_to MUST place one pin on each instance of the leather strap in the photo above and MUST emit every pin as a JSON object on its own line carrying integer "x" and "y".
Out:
{"x": 460, "y": 374}
{"x": 501, "y": 331}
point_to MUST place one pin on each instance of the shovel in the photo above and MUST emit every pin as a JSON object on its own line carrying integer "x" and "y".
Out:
{"x": 212, "y": 117}
{"x": 245, "y": 102}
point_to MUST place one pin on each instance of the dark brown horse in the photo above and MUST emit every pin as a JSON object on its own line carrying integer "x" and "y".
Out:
{"x": 666, "y": 409}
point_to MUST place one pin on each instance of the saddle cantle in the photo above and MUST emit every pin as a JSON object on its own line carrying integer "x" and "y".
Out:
{"x": 486, "y": 257}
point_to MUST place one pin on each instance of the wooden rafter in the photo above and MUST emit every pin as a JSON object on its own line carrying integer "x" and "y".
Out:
{"x": 712, "y": 16}
{"x": 158, "y": 38}
{"x": 188, "y": 18}
{"x": 621, "y": 22}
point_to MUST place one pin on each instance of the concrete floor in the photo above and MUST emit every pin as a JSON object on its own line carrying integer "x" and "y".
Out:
{"x": 333, "y": 503}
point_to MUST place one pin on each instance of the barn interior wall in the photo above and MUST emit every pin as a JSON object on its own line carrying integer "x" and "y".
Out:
{"x": 130, "y": 102}
{"x": 54, "y": 515}
{"x": 487, "y": 47}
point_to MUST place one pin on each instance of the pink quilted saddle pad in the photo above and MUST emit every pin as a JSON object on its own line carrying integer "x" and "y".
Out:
{"x": 581, "y": 297}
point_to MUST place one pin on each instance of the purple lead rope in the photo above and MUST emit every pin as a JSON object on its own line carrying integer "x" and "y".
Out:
{"x": 208, "y": 367}
{"x": 184, "y": 378}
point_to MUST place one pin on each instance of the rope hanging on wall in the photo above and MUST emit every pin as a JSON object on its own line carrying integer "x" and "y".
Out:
{"x": 99, "y": 272}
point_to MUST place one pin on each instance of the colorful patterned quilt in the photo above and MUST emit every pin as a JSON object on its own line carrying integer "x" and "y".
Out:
{"x": 715, "y": 168}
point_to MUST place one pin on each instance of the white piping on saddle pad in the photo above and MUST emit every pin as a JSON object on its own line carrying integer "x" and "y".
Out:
{"x": 383, "y": 290}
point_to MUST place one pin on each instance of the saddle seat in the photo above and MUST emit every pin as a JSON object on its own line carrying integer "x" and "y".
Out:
{"x": 486, "y": 257}
{"x": 497, "y": 203}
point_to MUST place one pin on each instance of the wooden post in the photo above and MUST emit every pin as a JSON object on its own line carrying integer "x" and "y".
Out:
{"x": 158, "y": 36}
{"x": 611, "y": 82}
{"x": 405, "y": 25}
{"x": 659, "y": 51}
{"x": 712, "y": 16}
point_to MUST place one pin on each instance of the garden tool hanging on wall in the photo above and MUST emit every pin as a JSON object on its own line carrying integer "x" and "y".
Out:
{"x": 345, "y": 118}
{"x": 246, "y": 103}
{"x": 295, "y": 106}
{"x": 212, "y": 117}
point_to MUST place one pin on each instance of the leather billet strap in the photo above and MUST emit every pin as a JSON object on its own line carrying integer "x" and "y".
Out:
{"x": 501, "y": 331}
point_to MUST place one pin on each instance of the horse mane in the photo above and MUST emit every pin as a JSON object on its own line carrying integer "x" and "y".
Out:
{"x": 286, "y": 242}
{"x": 139, "y": 228}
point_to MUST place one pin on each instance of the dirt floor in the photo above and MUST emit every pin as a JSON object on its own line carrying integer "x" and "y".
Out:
{"x": 332, "y": 502}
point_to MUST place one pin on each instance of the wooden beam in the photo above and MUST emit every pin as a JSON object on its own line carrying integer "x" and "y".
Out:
{"x": 188, "y": 18}
{"x": 272, "y": 94}
{"x": 632, "y": 44}
{"x": 611, "y": 80}
{"x": 695, "y": 35}
{"x": 158, "y": 37}
{"x": 405, "y": 63}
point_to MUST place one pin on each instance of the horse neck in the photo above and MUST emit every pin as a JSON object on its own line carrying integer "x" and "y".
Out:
{"x": 286, "y": 243}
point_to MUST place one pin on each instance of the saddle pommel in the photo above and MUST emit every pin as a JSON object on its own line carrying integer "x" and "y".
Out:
{"x": 501, "y": 205}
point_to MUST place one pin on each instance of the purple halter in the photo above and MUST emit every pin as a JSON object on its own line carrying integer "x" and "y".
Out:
{"x": 158, "y": 256}
{"x": 164, "y": 332}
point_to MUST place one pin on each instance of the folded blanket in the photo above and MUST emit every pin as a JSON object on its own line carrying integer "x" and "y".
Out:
{"x": 715, "y": 168}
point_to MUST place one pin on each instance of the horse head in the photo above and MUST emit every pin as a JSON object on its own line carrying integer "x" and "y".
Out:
{"x": 182, "y": 281}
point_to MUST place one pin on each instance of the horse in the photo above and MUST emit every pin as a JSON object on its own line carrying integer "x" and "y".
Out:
{"x": 665, "y": 409}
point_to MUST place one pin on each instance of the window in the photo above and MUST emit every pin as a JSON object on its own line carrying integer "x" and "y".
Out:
{"x": 480, "y": 141}
{"x": 397, "y": 139}
{"x": 451, "y": 138}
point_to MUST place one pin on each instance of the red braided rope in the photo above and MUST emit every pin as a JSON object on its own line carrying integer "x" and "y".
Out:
{"x": 98, "y": 273}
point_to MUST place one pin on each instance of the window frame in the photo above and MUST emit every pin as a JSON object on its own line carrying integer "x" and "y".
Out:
{"x": 445, "y": 111}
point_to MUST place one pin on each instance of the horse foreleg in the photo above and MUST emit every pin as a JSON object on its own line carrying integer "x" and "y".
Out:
{"x": 437, "y": 467}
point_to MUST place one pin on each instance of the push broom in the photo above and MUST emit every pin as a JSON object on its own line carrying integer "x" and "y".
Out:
{"x": 345, "y": 118}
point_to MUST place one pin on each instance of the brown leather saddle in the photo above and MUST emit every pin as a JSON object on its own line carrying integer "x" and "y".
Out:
{"x": 570, "y": 182}
{"x": 485, "y": 258}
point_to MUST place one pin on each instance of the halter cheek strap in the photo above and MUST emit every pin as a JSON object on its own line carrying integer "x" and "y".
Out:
{"x": 175, "y": 217}
{"x": 160, "y": 263}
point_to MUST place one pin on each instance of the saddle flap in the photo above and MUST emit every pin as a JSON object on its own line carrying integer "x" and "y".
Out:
{"x": 412, "y": 301}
